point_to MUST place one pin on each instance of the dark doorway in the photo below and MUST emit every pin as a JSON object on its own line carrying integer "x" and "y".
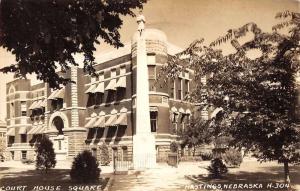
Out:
{"x": 59, "y": 124}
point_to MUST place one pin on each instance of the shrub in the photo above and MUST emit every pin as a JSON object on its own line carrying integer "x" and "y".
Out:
{"x": 173, "y": 147}
{"x": 217, "y": 168}
{"x": 85, "y": 168}
{"x": 27, "y": 161}
{"x": 45, "y": 158}
{"x": 218, "y": 152}
{"x": 233, "y": 157}
{"x": 104, "y": 155}
{"x": 206, "y": 156}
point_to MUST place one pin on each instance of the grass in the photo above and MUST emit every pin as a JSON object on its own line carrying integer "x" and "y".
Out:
{"x": 251, "y": 172}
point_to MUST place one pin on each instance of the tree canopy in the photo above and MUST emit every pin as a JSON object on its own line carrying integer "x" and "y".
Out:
{"x": 44, "y": 35}
{"x": 196, "y": 133}
{"x": 258, "y": 96}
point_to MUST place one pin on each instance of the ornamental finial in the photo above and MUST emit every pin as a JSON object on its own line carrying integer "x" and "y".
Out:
{"x": 141, "y": 22}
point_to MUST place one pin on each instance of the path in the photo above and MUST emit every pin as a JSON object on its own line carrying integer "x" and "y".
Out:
{"x": 162, "y": 178}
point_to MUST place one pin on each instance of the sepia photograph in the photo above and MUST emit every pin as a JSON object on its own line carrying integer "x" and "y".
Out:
{"x": 149, "y": 95}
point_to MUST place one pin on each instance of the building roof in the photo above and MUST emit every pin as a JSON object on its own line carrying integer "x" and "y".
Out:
{"x": 152, "y": 34}
{"x": 113, "y": 54}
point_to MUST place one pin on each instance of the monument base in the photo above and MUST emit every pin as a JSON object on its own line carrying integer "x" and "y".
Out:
{"x": 144, "y": 153}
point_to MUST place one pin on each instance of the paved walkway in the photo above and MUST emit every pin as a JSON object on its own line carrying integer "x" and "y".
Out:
{"x": 59, "y": 165}
{"x": 162, "y": 178}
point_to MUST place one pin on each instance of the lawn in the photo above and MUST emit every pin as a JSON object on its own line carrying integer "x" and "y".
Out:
{"x": 54, "y": 179}
{"x": 268, "y": 175}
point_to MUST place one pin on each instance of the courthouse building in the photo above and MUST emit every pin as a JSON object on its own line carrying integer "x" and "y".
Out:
{"x": 109, "y": 108}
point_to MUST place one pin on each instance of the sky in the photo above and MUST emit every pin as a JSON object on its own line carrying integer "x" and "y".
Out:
{"x": 184, "y": 21}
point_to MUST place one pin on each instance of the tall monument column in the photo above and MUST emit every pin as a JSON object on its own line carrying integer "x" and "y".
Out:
{"x": 144, "y": 154}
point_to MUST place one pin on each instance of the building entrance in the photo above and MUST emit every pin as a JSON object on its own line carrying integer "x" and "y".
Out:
{"x": 60, "y": 142}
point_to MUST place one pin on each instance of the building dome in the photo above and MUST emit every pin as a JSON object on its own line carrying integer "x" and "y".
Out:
{"x": 151, "y": 34}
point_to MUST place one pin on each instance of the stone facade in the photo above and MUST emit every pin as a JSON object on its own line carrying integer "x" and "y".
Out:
{"x": 103, "y": 108}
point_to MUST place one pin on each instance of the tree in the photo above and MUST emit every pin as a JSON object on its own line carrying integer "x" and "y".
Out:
{"x": 196, "y": 133}
{"x": 257, "y": 95}
{"x": 85, "y": 168}
{"x": 45, "y": 158}
{"x": 44, "y": 35}
{"x": 104, "y": 154}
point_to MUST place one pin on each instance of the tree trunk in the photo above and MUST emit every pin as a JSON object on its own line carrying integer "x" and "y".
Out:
{"x": 194, "y": 151}
{"x": 286, "y": 172}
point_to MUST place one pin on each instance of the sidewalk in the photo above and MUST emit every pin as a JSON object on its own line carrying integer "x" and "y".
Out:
{"x": 59, "y": 165}
{"x": 161, "y": 178}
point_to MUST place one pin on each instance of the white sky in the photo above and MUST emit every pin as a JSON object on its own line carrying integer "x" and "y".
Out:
{"x": 185, "y": 21}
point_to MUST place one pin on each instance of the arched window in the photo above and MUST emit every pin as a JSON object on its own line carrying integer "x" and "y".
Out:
{"x": 12, "y": 89}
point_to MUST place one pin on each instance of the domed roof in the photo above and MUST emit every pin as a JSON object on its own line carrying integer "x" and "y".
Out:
{"x": 151, "y": 34}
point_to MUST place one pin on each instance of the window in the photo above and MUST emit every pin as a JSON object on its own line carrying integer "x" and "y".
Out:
{"x": 187, "y": 87}
{"x": 98, "y": 98}
{"x": 24, "y": 155}
{"x": 38, "y": 111}
{"x": 172, "y": 92}
{"x": 151, "y": 59}
{"x": 183, "y": 124}
{"x": 12, "y": 110}
{"x": 157, "y": 152}
{"x": 125, "y": 153}
{"x": 91, "y": 133}
{"x": 57, "y": 104}
{"x": 175, "y": 128}
{"x": 12, "y": 155}
{"x": 153, "y": 120}
{"x": 187, "y": 118}
{"x": 94, "y": 152}
{"x": 179, "y": 93}
{"x": 182, "y": 118}
{"x": 23, "y": 138}
{"x": 11, "y": 139}
{"x": 23, "y": 108}
{"x": 11, "y": 89}
{"x": 111, "y": 96}
{"x": 59, "y": 145}
{"x": 152, "y": 72}
{"x": 120, "y": 94}
{"x": 174, "y": 117}
{"x": 152, "y": 84}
